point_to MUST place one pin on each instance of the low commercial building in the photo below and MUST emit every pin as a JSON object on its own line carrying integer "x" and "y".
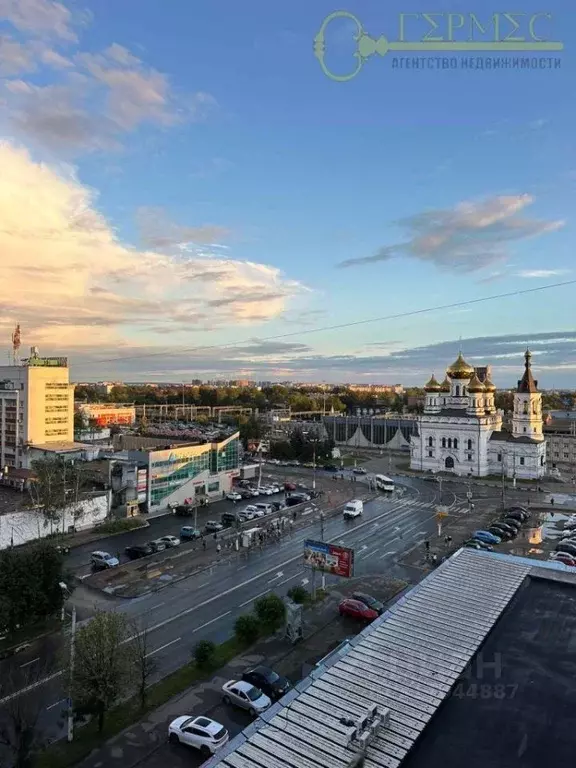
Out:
{"x": 561, "y": 444}
{"x": 387, "y": 431}
{"x": 105, "y": 414}
{"x": 186, "y": 472}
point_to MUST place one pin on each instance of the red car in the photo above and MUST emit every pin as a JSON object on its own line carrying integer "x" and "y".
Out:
{"x": 357, "y": 610}
{"x": 289, "y": 486}
{"x": 563, "y": 557}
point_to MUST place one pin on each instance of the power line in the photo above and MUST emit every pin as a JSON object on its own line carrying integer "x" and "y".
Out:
{"x": 352, "y": 324}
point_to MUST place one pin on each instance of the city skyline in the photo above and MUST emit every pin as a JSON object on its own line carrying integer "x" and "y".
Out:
{"x": 200, "y": 209}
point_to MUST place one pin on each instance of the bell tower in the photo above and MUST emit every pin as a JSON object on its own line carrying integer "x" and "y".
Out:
{"x": 527, "y": 419}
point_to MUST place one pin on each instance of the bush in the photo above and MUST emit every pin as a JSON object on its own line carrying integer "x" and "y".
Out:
{"x": 118, "y": 525}
{"x": 270, "y": 610}
{"x": 299, "y": 595}
{"x": 247, "y": 628}
{"x": 204, "y": 654}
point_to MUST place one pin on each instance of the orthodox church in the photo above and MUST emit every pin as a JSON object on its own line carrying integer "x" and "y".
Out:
{"x": 460, "y": 430}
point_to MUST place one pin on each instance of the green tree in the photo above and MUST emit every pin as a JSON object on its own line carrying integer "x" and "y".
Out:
{"x": 57, "y": 487}
{"x": 270, "y": 610}
{"x": 204, "y": 654}
{"x": 299, "y": 594}
{"x": 247, "y": 628}
{"x": 104, "y": 665}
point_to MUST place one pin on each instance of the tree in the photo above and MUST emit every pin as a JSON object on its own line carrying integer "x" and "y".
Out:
{"x": 57, "y": 488}
{"x": 204, "y": 654}
{"x": 271, "y": 610}
{"x": 247, "y": 628}
{"x": 144, "y": 664}
{"x": 104, "y": 665}
{"x": 30, "y": 584}
{"x": 79, "y": 421}
{"x": 20, "y": 712}
{"x": 299, "y": 595}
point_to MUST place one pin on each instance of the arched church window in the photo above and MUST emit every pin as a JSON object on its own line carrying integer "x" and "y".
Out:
{"x": 443, "y": 442}
{"x": 430, "y": 442}
{"x": 457, "y": 391}
{"x": 469, "y": 445}
{"x": 455, "y": 443}
{"x": 525, "y": 408}
{"x": 463, "y": 391}
{"x": 449, "y": 442}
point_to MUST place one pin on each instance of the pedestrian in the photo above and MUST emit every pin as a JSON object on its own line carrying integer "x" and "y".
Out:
{"x": 218, "y": 548}
{"x": 294, "y": 515}
{"x": 203, "y": 543}
{"x": 434, "y": 559}
{"x": 215, "y": 535}
{"x": 427, "y": 545}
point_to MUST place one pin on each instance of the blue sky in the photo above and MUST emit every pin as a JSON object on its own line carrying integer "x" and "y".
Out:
{"x": 230, "y": 191}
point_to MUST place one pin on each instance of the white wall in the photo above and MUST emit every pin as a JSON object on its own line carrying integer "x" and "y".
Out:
{"x": 20, "y": 527}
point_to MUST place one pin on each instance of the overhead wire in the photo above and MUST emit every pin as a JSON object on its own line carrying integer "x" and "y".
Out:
{"x": 335, "y": 327}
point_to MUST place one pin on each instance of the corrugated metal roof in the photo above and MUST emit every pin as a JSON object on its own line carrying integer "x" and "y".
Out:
{"x": 407, "y": 662}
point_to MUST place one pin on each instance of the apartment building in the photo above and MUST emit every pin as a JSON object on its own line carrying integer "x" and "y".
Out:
{"x": 36, "y": 407}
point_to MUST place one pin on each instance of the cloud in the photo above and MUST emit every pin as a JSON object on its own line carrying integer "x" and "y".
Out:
{"x": 535, "y": 273}
{"x": 15, "y": 58}
{"x": 467, "y": 238}
{"x": 42, "y": 18}
{"x": 74, "y": 283}
{"x": 159, "y": 233}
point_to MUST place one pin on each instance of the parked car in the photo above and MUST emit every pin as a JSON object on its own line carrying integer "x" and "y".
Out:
{"x": 275, "y": 488}
{"x": 563, "y": 557}
{"x": 487, "y": 537}
{"x": 564, "y": 546}
{"x": 495, "y": 530}
{"x": 253, "y": 491}
{"x": 525, "y": 513}
{"x": 234, "y": 496}
{"x": 331, "y": 468}
{"x": 102, "y": 560}
{"x": 268, "y": 681}
{"x": 517, "y": 524}
{"x": 189, "y": 533}
{"x": 265, "y": 490}
{"x": 505, "y": 527}
{"x": 289, "y": 486}
{"x": 137, "y": 551}
{"x": 262, "y": 508}
{"x": 158, "y": 545}
{"x": 477, "y": 544}
{"x": 249, "y": 512}
{"x": 369, "y": 602}
{"x": 171, "y": 541}
{"x": 278, "y": 505}
{"x": 183, "y": 510}
{"x": 360, "y": 471}
{"x": 357, "y": 610}
{"x": 212, "y": 526}
{"x": 244, "y": 695}
{"x": 202, "y": 733}
{"x": 244, "y": 493}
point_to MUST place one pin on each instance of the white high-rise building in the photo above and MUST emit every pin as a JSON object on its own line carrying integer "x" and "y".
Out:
{"x": 461, "y": 431}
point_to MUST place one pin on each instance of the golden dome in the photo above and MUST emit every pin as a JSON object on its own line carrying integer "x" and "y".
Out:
{"x": 432, "y": 385}
{"x": 460, "y": 369}
{"x": 489, "y": 386}
{"x": 476, "y": 385}
{"x": 445, "y": 386}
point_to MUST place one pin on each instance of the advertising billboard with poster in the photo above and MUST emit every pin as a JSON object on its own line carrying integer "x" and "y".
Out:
{"x": 329, "y": 558}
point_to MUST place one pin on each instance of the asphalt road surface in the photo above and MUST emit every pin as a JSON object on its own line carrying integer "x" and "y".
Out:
{"x": 206, "y": 605}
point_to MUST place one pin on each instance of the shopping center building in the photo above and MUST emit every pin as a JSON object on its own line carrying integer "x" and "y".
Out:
{"x": 181, "y": 473}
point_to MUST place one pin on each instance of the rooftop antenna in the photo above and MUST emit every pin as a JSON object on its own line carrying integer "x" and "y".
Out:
{"x": 16, "y": 339}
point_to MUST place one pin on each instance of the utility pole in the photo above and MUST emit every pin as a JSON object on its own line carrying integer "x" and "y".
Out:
{"x": 440, "y": 479}
{"x": 314, "y": 467}
{"x": 71, "y": 678}
{"x": 260, "y": 466}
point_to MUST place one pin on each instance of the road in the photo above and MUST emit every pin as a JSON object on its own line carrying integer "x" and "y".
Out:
{"x": 206, "y": 605}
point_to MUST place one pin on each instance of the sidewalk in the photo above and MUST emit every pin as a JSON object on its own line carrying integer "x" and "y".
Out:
{"x": 323, "y": 631}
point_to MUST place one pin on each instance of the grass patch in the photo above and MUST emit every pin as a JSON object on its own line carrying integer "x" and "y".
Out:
{"x": 65, "y": 755}
{"x": 119, "y": 526}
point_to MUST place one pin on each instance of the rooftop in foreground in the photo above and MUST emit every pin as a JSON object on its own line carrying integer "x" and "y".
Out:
{"x": 474, "y": 665}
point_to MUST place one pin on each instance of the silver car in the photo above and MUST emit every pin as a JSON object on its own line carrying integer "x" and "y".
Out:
{"x": 246, "y": 696}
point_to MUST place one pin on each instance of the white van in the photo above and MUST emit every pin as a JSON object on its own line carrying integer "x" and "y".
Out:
{"x": 263, "y": 508}
{"x": 354, "y": 508}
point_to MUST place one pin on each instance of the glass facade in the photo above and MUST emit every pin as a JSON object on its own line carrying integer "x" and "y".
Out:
{"x": 375, "y": 430}
{"x": 176, "y": 468}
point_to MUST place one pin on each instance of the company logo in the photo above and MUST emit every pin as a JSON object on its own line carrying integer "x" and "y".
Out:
{"x": 426, "y": 33}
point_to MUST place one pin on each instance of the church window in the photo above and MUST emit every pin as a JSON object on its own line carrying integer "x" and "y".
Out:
{"x": 541, "y": 461}
{"x": 521, "y": 459}
{"x": 499, "y": 457}
{"x": 469, "y": 445}
{"x": 469, "y": 457}
{"x": 457, "y": 391}
{"x": 429, "y": 454}
{"x": 430, "y": 442}
{"x": 525, "y": 409}
{"x": 524, "y": 429}
{"x": 449, "y": 442}
{"x": 443, "y": 442}
{"x": 463, "y": 391}
{"x": 455, "y": 443}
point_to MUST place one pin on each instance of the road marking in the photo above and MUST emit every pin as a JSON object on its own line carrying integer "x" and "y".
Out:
{"x": 157, "y": 650}
{"x": 27, "y": 663}
{"x": 56, "y": 704}
{"x": 392, "y": 552}
{"x": 31, "y": 687}
{"x": 304, "y": 582}
{"x": 212, "y": 621}
{"x": 289, "y": 578}
{"x": 278, "y": 576}
{"x": 253, "y": 598}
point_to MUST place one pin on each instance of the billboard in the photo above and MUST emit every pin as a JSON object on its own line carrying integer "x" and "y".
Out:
{"x": 329, "y": 558}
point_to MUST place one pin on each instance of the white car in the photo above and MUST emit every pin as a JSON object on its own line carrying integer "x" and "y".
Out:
{"x": 103, "y": 560}
{"x": 233, "y": 496}
{"x": 171, "y": 541}
{"x": 266, "y": 490}
{"x": 246, "y": 696}
{"x": 275, "y": 488}
{"x": 249, "y": 512}
{"x": 199, "y": 732}
{"x": 253, "y": 491}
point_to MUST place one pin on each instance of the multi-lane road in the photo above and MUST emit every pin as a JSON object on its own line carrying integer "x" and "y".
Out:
{"x": 206, "y": 605}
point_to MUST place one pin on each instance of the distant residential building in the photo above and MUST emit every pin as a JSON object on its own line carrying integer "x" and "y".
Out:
{"x": 377, "y": 389}
{"x": 560, "y": 433}
{"x": 36, "y": 407}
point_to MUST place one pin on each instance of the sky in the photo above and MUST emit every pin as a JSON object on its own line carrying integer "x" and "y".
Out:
{"x": 186, "y": 193}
